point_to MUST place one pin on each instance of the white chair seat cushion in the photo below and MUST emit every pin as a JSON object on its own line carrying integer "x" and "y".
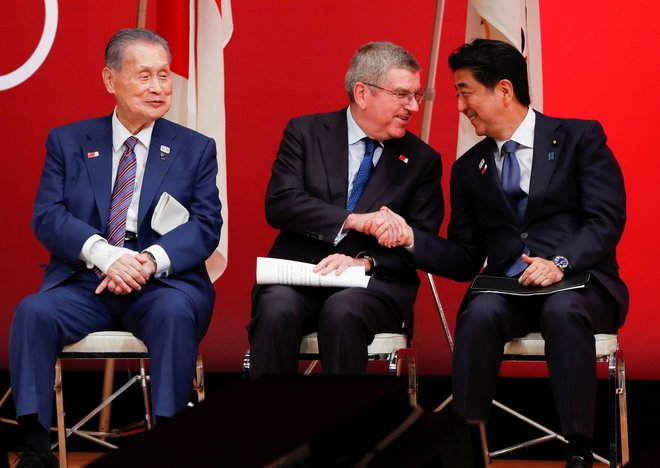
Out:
{"x": 533, "y": 344}
{"x": 383, "y": 343}
{"x": 107, "y": 342}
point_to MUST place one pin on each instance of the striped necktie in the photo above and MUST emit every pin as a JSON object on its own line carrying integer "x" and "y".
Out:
{"x": 122, "y": 194}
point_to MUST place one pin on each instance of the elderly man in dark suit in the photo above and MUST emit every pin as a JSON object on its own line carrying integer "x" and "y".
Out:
{"x": 109, "y": 268}
{"x": 333, "y": 172}
{"x": 541, "y": 199}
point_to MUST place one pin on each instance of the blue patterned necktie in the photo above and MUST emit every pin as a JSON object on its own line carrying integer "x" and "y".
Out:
{"x": 515, "y": 195}
{"x": 511, "y": 178}
{"x": 363, "y": 173}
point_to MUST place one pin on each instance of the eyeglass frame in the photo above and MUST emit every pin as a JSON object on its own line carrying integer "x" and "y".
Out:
{"x": 407, "y": 95}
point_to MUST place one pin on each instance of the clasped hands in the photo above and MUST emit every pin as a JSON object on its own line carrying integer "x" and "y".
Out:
{"x": 391, "y": 230}
{"x": 128, "y": 273}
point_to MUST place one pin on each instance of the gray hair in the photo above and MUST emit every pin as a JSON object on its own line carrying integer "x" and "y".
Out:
{"x": 372, "y": 61}
{"x": 114, "y": 51}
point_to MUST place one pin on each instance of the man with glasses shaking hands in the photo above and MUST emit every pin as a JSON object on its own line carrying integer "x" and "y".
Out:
{"x": 333, "y": 172}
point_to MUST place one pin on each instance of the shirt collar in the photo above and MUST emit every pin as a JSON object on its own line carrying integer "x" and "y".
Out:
{"x": 524, "y": 134}
{"x": 120, "y": 134}
{"x": 355, "y": 133}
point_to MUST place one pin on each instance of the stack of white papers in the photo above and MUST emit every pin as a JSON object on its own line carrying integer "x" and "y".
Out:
{"x": 289, "y": 272}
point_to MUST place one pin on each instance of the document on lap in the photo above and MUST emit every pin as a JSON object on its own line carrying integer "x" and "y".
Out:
{"x": 510, "y": 286}
{"x": 292, "y": 273}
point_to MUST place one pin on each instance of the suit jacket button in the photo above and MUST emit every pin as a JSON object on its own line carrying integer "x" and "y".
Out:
{"x": 524, "y": 235}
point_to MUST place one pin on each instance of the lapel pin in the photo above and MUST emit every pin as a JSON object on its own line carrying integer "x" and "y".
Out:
{"x": 554, "y": 142}
{"x": 164, "y": 151}
{"x": 551, "y": 156}
{"x": 93, "y": 154}
{"x": 483, "y": 166}
{"x": 403, "y": 158}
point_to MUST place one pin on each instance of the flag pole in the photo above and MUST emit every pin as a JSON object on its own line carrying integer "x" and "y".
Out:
{"x": 429, "y": 92}
{"x": 429, "y": 98}
{"x": 142, "y": 13}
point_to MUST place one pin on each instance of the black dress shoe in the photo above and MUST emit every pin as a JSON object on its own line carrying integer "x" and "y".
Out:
{"x": 32, "y": 459}
{"x": 579, "y": 462}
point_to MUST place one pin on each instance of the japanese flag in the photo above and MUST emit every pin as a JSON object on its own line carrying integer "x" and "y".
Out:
{"x": 197, "y": 31}
{"x": 516, "y": 22}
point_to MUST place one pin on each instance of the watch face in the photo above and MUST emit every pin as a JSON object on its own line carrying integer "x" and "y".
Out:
{"x": 561, "y": 262}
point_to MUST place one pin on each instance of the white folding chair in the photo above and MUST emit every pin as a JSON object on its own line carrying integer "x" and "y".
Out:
{"x": 109, "y": 345}
{"x": 392, "y": 347}
{"x": 532, "y": 348}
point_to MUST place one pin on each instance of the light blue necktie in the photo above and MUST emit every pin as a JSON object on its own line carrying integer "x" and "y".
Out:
{"x": 363, "y": 173}
{"x": 515, "y": 195}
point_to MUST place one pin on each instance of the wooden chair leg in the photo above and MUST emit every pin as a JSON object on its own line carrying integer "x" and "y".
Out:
{"x": 198, "y": 384}
{"x": 408, "y": 356}
{"x": 59, "y": 403}
{"x": 108, "y": 383}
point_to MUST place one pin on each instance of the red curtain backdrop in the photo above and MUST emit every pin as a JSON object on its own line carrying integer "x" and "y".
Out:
{"x": 287, "y": 59}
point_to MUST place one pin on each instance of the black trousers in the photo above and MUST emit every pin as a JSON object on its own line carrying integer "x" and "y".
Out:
{"x": 346, "y": 321}
{"x": 567, "y": 320}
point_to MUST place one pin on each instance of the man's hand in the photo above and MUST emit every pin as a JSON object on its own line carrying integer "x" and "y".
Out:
{"x": 387, "y": 226}
{"x": 339, "y": 262}
{"x": 540, "y": 272}
{"x": 388, "y": 237}
{"x": 126, "y": 274}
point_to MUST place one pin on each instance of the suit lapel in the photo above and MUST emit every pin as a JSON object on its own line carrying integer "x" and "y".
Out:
{"x": 547, "y": 150}
{"x": 158, "y": 163}
{"x": 491, "y": 183}
{"x": 99, "y": 168}
{"x": 334, "y": 153}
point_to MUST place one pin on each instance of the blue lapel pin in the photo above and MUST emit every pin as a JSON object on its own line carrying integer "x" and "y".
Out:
{"x": 551, "y": 156}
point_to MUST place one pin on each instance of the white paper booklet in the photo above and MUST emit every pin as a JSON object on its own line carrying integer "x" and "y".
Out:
{"x": 289, "y": 272}
{"x": 168, "y": 214}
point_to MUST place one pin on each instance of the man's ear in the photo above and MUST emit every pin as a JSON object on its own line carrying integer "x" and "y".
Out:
{"x": 108, "y": 80}
{"x": 359, "y": 94}
{"x": 505, "y": 89}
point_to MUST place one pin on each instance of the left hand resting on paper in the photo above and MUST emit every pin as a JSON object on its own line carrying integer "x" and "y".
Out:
{"x": 339, "y": 263}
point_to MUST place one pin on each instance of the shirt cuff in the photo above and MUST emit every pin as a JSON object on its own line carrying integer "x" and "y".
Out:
{"x": 85, "y": 254}
{"x": 163, "y": 262}
{"x": 411, "y": 248}
{"x": 343, "y": 232}
{"x": 103, "y": 255}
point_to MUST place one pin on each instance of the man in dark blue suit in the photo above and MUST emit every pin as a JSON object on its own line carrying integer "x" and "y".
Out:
{"x": 540, "y": 199}
{"x": 109, "y": 267}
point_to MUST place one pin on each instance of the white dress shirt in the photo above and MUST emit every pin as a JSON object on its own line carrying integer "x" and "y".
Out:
{"x": 96, "y": 251}
{"x": 524, "y": 136}
{"x": 356, "y": 149}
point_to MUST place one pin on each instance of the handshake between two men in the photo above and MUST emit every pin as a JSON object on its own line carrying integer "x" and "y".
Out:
{"x": 392, "y": 230}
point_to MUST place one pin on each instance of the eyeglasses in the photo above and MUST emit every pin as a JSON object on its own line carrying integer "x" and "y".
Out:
{"x": 402, "y": 95}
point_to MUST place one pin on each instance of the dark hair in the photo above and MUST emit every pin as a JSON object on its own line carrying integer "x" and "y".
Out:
{"x": 491, "y": 61}
{"x": 114, "y": 51}
{"x": 373, "y": 60}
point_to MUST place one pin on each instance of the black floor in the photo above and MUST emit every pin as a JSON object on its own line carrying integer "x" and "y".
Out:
{"x": 530, "y": 396}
